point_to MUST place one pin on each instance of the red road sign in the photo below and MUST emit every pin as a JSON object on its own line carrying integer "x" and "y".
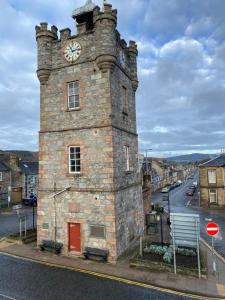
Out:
{"x": 212, "y": 228}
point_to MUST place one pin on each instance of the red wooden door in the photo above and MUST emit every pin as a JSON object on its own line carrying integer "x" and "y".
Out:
{"x": 74, "y": 237}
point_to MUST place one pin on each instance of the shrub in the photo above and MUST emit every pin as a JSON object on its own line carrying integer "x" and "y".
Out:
{"x": 168, "y": 256}
{"x": 186, "y": 252}
{"x": 156, "y": 249}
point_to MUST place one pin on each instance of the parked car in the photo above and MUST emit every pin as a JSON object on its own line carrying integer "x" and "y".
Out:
{"x": 32, "y": 200}
{"x": 190, "y": 192}
{"x": 165, "y": 189}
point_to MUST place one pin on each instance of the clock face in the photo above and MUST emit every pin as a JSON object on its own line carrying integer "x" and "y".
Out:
{"x": 72, "y": 51}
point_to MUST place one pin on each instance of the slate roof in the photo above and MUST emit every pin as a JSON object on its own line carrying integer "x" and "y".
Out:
{"x": 3, "y": 167}
{"x": 215, "y": 162}
{"x": 88, "y": 7}
{"x": 29, "y": 168}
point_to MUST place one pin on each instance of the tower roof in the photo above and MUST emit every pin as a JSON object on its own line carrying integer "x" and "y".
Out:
{"x": 88, "y": 7}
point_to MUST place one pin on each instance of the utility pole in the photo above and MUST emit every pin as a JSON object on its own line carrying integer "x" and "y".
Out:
{"x": 146, "y": 159}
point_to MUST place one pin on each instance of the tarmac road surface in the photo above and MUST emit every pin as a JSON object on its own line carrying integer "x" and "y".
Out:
{"x": 26, "y": 280}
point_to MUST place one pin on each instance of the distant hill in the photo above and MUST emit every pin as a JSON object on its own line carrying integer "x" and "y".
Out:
{"x": 24, "y": 155}
{"x": 194, "y": 157}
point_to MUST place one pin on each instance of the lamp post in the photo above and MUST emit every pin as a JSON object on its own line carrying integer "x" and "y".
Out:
{"x": 168, "y": 219}
{"x": 146, "y": 156}
{"x": 159, "y": 218}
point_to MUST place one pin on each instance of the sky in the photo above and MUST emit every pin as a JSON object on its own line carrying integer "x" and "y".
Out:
{"x": 181, "y": 70}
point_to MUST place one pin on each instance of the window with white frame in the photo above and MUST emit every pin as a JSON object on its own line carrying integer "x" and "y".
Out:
{"x": 212, "y": 196}
{"x": 0, "y": 176}
{"x": 127, "y": 157}
{"x": 73, "y": 95}
{"x": 74, "y": 159}
{"x": 211, "y": 176}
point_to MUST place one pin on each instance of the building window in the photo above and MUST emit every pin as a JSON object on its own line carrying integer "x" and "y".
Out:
{"x": 127, "y": 157}
{"x": 73, "y": 95}
{"x": 97, "y": 231}
{"x": 74, "y": 159}
{"x": 32, "y": 180}
{"x": 212, "y": 196}
{"x": 211, "y": 176}
{"x": 125, "y": 100}
{"x": 0, "y": 176}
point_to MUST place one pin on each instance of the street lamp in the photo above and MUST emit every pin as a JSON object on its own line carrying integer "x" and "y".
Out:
{"x": 168, "y": 219}
{"x": 159, "y": 218}
{"x": 146, "y": 163}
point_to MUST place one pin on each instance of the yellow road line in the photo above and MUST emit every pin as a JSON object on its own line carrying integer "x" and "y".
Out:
{"x": 114, "y": 278}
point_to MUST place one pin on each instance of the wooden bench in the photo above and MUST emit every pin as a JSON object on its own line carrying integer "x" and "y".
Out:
{"x": 47, "y": 244}
{"x": 95, "y": 252}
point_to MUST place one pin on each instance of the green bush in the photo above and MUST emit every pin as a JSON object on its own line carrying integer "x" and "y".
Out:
{"x": 168, "y": 256}
{"x": 155, "y": 249}
{"x": 186, "y": 252}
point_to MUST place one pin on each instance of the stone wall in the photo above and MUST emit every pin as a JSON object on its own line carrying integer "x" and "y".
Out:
{"x": 205, "y": 186}
{"x": 5, "y": 183}
{"x": 129, "y": 217}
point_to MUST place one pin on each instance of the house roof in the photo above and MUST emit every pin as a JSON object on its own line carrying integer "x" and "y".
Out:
{"x": 3, "y": 167}
{"x": 29, "y": 168}
{"x": 215, "y": 162}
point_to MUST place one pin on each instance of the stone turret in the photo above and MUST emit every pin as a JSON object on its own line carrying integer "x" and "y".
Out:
{"x": 133, "y": 52}
{"x": 44, "y": 39}
{"x": 105, "y": 30}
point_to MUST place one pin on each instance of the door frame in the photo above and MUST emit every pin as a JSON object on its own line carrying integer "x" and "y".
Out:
{"x": 68, "y": 227}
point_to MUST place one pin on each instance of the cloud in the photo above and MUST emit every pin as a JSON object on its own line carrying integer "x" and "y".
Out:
{"x": 181, "y": 69}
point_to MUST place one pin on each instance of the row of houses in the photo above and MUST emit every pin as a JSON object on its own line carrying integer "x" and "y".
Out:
{"x": 212, "y": 182}
{"x": 18, "y": 178}
{"x": 163, "y": 173}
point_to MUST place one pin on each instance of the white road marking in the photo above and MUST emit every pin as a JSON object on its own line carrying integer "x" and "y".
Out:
{"x": 7, "y": 297}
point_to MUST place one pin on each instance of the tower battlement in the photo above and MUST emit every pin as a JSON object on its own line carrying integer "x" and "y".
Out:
{"x": 42, "y": 31}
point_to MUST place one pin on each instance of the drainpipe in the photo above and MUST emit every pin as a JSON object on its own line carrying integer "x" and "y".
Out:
{"x": 222, "y": 169}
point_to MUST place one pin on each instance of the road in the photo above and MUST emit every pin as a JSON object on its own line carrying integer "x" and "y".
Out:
{"x": 9, "y": 221}
{"x": 26, "y": 280}
{"x": 179, "y": 202}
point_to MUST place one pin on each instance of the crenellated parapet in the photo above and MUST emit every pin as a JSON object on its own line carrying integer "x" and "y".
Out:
{"x": 105, "y": 30}
{"x": 133, "y": 52}
{"x": 107, "y": 17}
{"x": 44, "y": 39}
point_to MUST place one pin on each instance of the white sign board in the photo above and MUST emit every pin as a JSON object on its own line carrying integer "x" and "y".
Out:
{"x": 185, "y": 232}
{"x": 19, "y": 206}
{"x": 185, "y": 229}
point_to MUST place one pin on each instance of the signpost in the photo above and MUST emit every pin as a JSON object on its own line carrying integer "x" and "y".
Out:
{"x": 185, "y": 232}
{"x": 212, "y": 229}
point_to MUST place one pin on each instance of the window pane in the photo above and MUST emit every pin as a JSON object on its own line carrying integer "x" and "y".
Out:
{"x": 74, "y": 159}
{"x": 77, "y": 168}
{"x": 72, "y": 150}
{"x": 72, "y": 168}
{"x": 212, "y": 176}
{"x": 73, "y": 94}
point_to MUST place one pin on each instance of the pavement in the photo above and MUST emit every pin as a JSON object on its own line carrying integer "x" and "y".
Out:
{"x": 10, "y": 220}
{"x": 211, "y": 286}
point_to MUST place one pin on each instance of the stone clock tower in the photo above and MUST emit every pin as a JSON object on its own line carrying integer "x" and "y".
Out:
{"x": 89, "y": 185}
